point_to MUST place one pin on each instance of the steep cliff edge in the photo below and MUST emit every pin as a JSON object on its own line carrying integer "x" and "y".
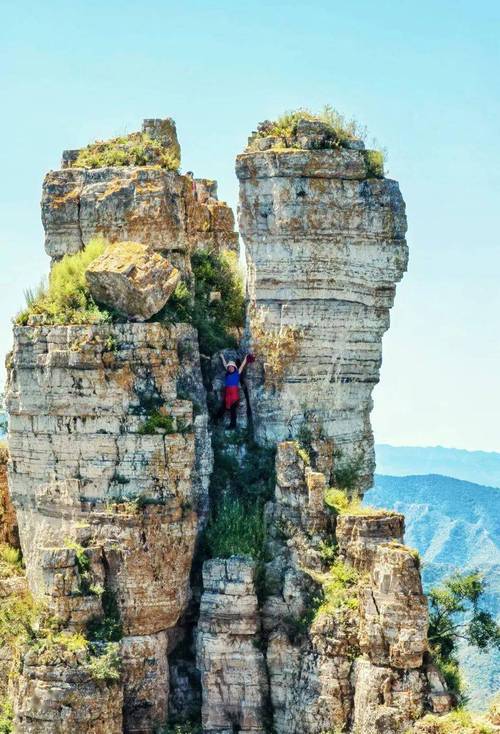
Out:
{"x": 324, "y": 236}
{"x": 182, "y": 577}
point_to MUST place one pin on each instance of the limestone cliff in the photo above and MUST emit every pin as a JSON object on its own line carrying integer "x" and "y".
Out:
{"x": 324, "y": 236}
{"x": 165, "y": 589}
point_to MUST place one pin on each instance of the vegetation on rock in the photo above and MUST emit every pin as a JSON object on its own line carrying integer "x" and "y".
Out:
{"x": 66, "y": 299}
{"x": 217, "y": 321}
{"x": 10, "y": 561}
{"x": 236, "y": 528}
{"x": 136, "y": 149}
{"x": 342, "y": 130}
{"x": 456, "y": 614}
{"x": 157, "y": 422}
{"x": 456, "y": 722}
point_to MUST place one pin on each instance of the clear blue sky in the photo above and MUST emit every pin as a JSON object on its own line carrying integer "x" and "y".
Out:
{"x": 424, "y": 78}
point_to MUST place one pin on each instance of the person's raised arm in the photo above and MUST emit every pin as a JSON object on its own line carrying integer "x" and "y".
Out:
{"x": 243, "y": 364}
{"x": 223, "y": 361}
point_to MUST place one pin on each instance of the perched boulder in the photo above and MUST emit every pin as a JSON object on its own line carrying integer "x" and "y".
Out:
{"x": 132, "y": 279}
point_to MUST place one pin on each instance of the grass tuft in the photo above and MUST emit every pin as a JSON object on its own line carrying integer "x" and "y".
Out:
{"x": 66, "y": 299}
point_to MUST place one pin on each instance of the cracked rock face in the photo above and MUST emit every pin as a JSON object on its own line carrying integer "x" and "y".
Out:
{"x": 325, "y": 247}
{"x": 131, "y": 279}
{"x": 79, "y": 398}
{"x": 233, "y": 673}
{"x": 147, "y": 204}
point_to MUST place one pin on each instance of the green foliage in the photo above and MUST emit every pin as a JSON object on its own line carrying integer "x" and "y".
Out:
{"x": 109, "y": 628}
{"x": 10, "y": 561}
{"x": 339, "y": 587}
{"x": 338, "y": 501}
{"x": 303, "y": 453}
{"x": 342, "y": 130}
{"x": 157, "y": 421}
{"x": 187, "y": 728}
{"x": 66, "y": 299}
{"x": 6, "y": 717}
{"x": 236, "y": 528}
{"x": 459, "y": 721}
{"x": 455, "y": 615}
{"x": 251, "y": 477}
{"x": 137, "y": 149}
{"x": 346, "y": 471}
{"x": 327, "y": 551}
{"x": 374, "y": 160}
{"x": 106, "y": 666}
{"x": 214, "y": 320}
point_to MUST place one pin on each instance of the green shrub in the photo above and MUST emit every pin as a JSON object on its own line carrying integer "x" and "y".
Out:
{"x": 215, "y": 321}
{"x": 136, "y": 149}
{"x": 339, "y": 588}
{"x": 66, "y": 299}
{"x": 6, "y": 717}
{"x": 105, "y": 666}
{"x": 374, "y": 160}
{"x": 346, "y": 471}
{"x": 10, "y": 561}
{"x": 236, "y": 528}
{"x": 456, "y": 722}
{"x": 109, "y": 628}
{"x": 157, "y": 421}
{"x": 342, "y": 130}
{"x": 251, "y": 477}
{"x": 187, "y": 728}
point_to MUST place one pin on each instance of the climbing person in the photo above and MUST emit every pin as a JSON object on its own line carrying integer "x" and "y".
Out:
{"x": 231, "y": 389}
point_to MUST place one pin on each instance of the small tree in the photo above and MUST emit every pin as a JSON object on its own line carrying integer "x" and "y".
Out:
{"x": 456, "y": 614}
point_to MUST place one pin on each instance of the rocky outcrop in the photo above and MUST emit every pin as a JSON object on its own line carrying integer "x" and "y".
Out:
{"x": 103, "y": 502}
{"x": 346, "y": 643}
{"x": 111, "y": 457}
{"x": 147, "y": 204}
{"x": 325, "y": 246}
{"x": 233, "y": 673}
{"x": 63, "y": 698}
{"x": 131, "y": 279}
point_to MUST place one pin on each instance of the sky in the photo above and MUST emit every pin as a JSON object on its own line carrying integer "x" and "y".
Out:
{"x": 423, "y": 77}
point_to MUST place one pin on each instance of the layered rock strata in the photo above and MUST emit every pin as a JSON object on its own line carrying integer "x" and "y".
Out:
{"x": 346, "y": 646}
{"x": 233, "y": 673}
{"x": 147, "y": 204}
{"x": 88, "y": 480}
{"x": 325, "y": 247}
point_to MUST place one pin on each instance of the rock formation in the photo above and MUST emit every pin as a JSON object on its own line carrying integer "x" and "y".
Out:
{"x": 111, "y": 461}
{"x": 324, "y": 239}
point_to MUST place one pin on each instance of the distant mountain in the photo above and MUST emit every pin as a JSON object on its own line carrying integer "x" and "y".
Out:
{"x": 455, "y": 525}
{"x": 482, "y": 467}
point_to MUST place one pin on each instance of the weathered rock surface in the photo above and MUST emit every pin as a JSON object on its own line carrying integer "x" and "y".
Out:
{"x": 64, "y": 699}
{"x": 146, "y": 204}
{"x": 131, "y": 279}
{"x": 359, "y": 536}
{"x": 394, "y": 618}
{"x": 325, "y": 247}
{"x": 81, "y": 465}
{"x": 233, "y": 673}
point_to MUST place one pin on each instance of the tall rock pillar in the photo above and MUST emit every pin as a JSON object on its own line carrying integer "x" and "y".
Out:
{"x": 324, "y": 233}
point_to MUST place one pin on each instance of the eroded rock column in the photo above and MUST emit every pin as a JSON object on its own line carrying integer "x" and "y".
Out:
{"x": 232, "y": 667}
{"x": 325, "y": 247}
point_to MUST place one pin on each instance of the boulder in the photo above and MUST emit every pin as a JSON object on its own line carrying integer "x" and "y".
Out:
{"x": 132, "y": 279}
